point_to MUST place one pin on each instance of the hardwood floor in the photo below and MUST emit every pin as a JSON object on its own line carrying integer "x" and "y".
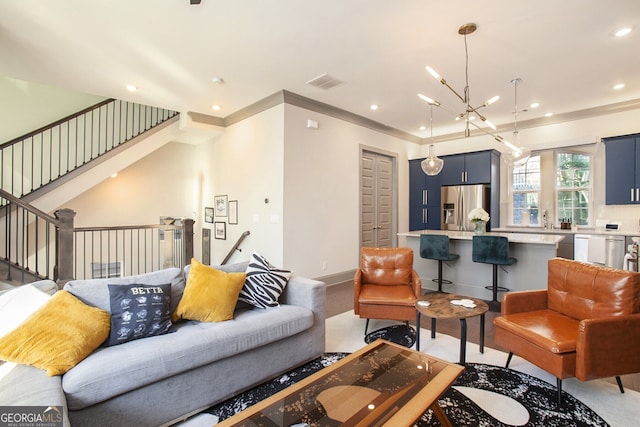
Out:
{"x": 340, "y": 299}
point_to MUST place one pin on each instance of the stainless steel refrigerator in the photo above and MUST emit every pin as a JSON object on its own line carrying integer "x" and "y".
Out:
{"x": 459, "y": 200}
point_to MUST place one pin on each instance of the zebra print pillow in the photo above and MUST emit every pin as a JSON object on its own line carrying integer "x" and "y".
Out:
{"x": 264, "y": 283}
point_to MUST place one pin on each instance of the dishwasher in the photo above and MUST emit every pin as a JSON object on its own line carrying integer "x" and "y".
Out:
{"x": 600, "y": 249}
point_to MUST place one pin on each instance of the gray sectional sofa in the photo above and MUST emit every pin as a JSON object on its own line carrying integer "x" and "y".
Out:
{"x": 163, "y": 379}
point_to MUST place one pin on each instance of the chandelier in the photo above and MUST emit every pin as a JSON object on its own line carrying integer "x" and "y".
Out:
{"x": 432, "y": 165}
{"x": 515, "y": 153}
{"x": 518, "y": 155}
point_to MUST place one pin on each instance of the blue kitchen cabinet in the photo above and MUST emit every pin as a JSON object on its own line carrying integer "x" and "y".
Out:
{"x": 424, "y": 198}
{"x": 622, "y": 170}
{"x": 425, "y": 208}
{"x": 470, "y": 168}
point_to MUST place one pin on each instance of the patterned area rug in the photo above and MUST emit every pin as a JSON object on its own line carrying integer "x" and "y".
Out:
{"x": 399, "y": 334}
{"x": 484, "y": 395}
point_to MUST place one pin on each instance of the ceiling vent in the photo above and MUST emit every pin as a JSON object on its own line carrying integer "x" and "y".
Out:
{"x": 324, "y": 81}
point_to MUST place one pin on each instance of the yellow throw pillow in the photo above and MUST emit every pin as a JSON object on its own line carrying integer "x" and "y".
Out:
{"x": 57, "y": 336}
{"x": 210, "y": 295}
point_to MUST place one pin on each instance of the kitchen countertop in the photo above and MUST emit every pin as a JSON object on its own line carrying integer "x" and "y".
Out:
{"x": 513, "y": 236}
{"x": 585, "y": 230}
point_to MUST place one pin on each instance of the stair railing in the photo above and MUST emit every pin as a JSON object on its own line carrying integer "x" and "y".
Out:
{"x": 102, "y": 252}
{"x": 38, "y": 158}
{"x": 236, "y": 247}
{"x": 29, "y": 250}
{"x": 39, "y": 246}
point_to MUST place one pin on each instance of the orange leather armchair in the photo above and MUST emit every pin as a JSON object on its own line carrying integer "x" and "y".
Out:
{"x": 386, "y": 286}
{"x": 586, "y": 324}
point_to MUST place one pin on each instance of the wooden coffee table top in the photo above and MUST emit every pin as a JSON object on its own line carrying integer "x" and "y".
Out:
{"x": 380, "y": 384}
{"x": 440, "y": 306}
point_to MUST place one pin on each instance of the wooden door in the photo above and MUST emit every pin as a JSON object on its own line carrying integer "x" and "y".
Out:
{"x": 377, "y": 197}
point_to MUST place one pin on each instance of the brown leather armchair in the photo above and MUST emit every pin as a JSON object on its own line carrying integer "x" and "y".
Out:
{"x": 386, "y": 286}
{"x": 586, "y": 324}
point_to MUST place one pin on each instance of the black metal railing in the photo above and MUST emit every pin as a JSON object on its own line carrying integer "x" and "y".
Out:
{"x": 37, "y": 245}
{"x": 28, "y": 251}
{"x": 101, "y": 252}
{"x": 40, "y": 157}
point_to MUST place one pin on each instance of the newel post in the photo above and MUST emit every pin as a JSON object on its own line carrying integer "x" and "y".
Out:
{"x": 64, "y": 240}
{"x": 188, "y": 239}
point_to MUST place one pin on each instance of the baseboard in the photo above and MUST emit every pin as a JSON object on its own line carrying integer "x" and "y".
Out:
{"x": 337, "y": 278}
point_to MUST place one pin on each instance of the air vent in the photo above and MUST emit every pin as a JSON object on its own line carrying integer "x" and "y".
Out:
{"x": 324, "y": 81}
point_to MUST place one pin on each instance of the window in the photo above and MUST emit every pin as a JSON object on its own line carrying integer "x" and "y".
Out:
{"x": 525, "y": 192}
{"x": 573, "y": 187}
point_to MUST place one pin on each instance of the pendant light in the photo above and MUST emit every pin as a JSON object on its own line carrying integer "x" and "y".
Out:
{"x": 432, "y": 165}
{"x": 470, "y": 110}
{"x": 517, "y": 155}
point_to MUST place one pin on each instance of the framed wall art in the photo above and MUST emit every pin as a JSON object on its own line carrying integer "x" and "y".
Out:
{"x": 220, "y": 205}
{"x": 220, "y": 230}
{"x": 233, "y": 212}
{"x": 208, "y": 215}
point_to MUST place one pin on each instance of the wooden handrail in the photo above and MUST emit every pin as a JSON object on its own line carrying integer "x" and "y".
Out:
{"x": 26, "y": 206}
{"x": 235, "y": 247}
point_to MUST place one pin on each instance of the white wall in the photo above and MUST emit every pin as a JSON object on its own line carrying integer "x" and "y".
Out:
{"x": 157, "y": 185}
{"x": 246, "y": 164}
{"x": 322, "y": 190}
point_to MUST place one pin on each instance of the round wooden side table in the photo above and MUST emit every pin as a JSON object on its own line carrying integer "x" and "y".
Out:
{"x": 438, "y": 305}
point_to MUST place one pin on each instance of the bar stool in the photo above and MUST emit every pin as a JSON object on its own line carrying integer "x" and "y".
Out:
{"x": 436, "y": 247}
{"x": 492, "y": 250}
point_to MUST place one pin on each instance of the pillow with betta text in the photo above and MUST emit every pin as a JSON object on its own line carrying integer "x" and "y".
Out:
{"x": 139, "y": 311}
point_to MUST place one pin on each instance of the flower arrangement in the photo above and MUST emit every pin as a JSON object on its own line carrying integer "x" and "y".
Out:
{"x": 478, "y": 214}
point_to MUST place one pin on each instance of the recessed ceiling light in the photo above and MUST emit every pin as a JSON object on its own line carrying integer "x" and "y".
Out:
{"x": 132, "y": 88}
{"x": 535, "y": 105}
{"x": 374, "y": 107}
{"x": 215, "y": 107}
{"x": 618, "y": 86}
{"x": 622, "y": 32}
{"x": 423, "y": 128}
{"x": 548, "y": 114}
{"x": 114, "y": 175}
{"x": 217, "y": 80}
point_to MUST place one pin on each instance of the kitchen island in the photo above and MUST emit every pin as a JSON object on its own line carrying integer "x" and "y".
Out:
{"x": 470, "y": 278}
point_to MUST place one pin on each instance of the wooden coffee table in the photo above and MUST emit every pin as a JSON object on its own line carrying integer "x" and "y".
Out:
{"x": 440, "y": 307}
{"x": 382, "y": 384}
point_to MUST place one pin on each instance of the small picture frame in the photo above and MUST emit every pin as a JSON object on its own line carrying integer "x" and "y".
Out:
{"x": 220, "y": 206}
{"x": 208, "y": 215}
{"x": 220, "y": 230}
{"x": 233, "y": 212}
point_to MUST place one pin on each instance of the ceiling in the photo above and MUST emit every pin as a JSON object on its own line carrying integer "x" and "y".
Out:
{"x": 564, "y": 51}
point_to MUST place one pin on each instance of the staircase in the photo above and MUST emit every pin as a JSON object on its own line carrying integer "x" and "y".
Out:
{"x": 34, "y": 167}
{"x": 64, "y": 148}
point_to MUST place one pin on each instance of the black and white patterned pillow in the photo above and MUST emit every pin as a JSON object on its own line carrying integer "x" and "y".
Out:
{"x": 264, "y": 283}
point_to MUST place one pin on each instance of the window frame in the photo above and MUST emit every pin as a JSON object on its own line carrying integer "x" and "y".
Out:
{"x": 557, "y": 190}
{"x": 511, "y": 193}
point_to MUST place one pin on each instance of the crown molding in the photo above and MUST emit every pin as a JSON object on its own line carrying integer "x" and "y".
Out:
{"x": 286, "y": 97}
{"x": 602, "y": 110}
